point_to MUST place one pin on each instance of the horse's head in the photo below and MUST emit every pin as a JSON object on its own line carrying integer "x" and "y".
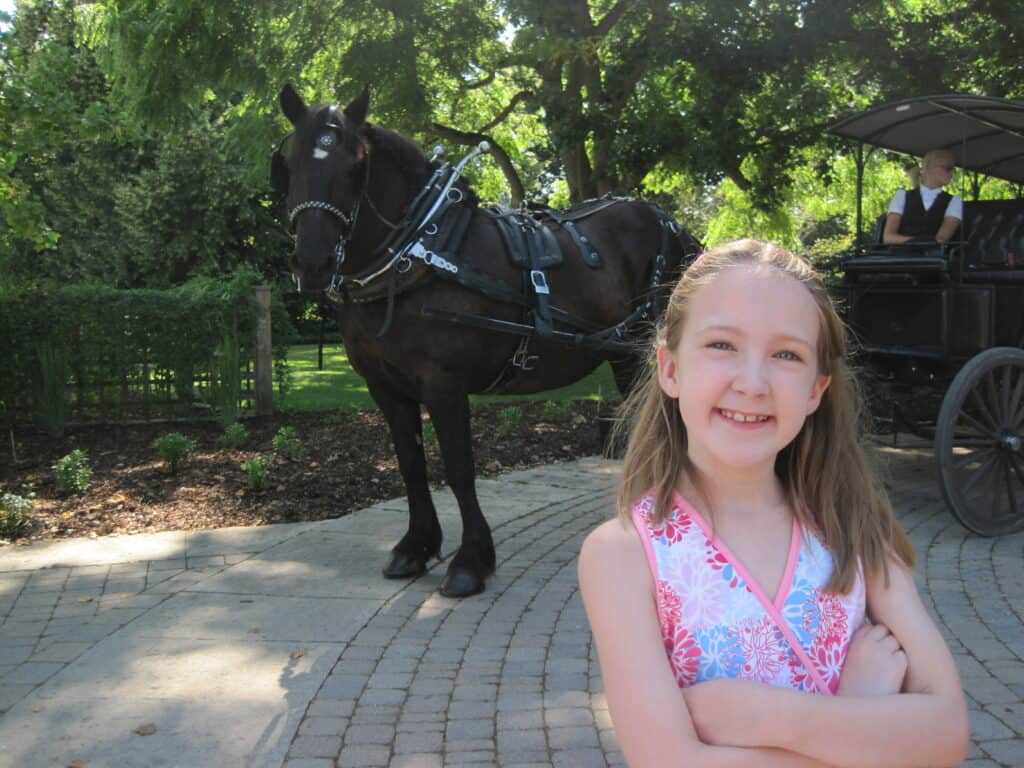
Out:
{"x": 322, "y": 167}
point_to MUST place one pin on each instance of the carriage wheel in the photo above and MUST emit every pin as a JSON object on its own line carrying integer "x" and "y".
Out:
{"x": 979, "y": 443}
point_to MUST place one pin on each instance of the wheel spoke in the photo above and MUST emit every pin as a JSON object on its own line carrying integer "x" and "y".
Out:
{"x": 992, "y": 399}
{"x": 978, "y": 474}
{"x": 983, "y": 412}
{"x": 1004, "y": 392}
{"x": 961, "y": 441}
{"x": 962, "y": 462}
{"x": 1011, "y": 411}
{"x": 1017, "y": 466}
{"x": 980, "y": 429}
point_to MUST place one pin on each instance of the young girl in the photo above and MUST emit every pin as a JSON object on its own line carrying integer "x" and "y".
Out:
{"x": 728, "y": 600}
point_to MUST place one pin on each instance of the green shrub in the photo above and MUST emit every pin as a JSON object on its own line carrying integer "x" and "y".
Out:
{"x": 508, "y": 419}
{"x": 72, "y": 473}
{"x": 555, "y": 410}
{"x": 15, "y": 515}
{"x": 174, "y": 448}
{"x": 257, "y": 473}
{"x": 235, "y": 436}
{"x": 288, "y": 444}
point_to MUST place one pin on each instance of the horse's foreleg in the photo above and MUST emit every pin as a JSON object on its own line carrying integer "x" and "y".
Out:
{"x": 474, "y": 561}
{"x": 423, "y": 539}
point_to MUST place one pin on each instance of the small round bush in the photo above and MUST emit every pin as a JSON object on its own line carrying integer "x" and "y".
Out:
{"x": 288, "y": 444}
{"x": 174, "y": 448}
{"x": 257, "y": 472}
{"x": 15, "y": 515}
{"x": 509, "y": 419}
{"x": 235, "y": 436}
{"x": 72, "y": 473}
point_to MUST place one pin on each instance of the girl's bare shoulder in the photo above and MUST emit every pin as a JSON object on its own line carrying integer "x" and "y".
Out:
{"x": 613, "y": 541}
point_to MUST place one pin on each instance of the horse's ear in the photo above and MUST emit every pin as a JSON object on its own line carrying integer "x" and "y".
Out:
{"x": 356, "y": 111}
{"x": 292, "y": 104}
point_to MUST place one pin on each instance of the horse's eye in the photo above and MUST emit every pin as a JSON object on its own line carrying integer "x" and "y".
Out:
{"x": 327, "y": 140}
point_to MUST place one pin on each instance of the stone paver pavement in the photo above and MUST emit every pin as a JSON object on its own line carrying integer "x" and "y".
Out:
{"x": 282, "y": 646}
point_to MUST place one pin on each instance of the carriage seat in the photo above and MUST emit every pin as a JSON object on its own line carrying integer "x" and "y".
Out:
{"x": 987, "y": 247}
{"x": 993, "y": 239}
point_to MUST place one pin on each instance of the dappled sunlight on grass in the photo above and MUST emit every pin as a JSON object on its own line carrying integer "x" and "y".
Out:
{"x": 338, "y": 387}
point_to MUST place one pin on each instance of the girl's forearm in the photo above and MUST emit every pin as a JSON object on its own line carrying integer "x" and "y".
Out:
{"x": 744, "y": 757}
{"x": 906, "y": 729}
{"x": 910, "y": 729}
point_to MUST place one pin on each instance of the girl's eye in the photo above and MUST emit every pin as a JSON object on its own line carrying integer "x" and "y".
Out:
{"x": 787, "y": 355}
{"x": 719, "y": 345}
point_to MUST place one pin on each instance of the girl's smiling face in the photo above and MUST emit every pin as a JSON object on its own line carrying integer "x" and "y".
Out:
{"x": 745, "y": 372}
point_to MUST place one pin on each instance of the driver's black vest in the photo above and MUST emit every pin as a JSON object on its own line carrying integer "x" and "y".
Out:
{"x": 919, "y": 223}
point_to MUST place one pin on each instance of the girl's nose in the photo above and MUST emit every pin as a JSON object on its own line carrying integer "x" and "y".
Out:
{"x": 751, "y": 377}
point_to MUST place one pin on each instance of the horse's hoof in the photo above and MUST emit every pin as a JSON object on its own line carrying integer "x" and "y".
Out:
{"x": 402, "y": 566}
{"x": 461, "y": 582}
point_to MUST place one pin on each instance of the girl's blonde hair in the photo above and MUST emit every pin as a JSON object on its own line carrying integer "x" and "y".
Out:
{"x": 828, "y": 481}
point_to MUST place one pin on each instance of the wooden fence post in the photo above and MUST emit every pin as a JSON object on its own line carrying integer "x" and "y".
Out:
{"x": 264, "y": 359}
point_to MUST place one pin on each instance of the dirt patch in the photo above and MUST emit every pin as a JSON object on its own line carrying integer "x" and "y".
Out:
{"x": 349, "y": 464}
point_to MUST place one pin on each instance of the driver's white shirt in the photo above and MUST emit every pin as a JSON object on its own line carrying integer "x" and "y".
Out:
{"x": 928, "y": 195}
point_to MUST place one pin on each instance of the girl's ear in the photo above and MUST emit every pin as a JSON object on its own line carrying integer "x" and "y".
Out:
{"x": 668, "y": 371}
{"x": 817, "y": 392}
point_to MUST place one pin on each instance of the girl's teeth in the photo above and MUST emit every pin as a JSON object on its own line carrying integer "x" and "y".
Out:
{"x": 740, "y": 417}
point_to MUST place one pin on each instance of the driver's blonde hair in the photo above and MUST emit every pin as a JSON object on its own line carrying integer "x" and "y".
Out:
{"x": 828, "y": 481}
{"x": 930, "y": 158}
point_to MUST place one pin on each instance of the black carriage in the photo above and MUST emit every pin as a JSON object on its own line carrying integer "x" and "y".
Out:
{"x": 941, "y": 325}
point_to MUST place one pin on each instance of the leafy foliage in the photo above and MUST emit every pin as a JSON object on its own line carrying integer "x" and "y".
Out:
{"x": 111, "y": 344}
{"x": 555, "y": 410}
{"x": 257, "y": 473}
{"x": 73, "y": 473}
{"x": 15, "y": 515}
{"x": 174, "y": 448}
{"x": 135, "y": 132}
{"x": 235, "y": 436}
{"x": 509, "y": 419}
{"x": 287, "y": 444}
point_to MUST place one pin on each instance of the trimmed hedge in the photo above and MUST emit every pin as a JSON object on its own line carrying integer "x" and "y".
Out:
{"x": 96, "y": 353}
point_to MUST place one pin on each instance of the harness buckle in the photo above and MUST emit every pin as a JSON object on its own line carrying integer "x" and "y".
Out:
{"x": 418, "y": 250}
{"x": 540, "y": 281}
{"x": 521, "y": 358}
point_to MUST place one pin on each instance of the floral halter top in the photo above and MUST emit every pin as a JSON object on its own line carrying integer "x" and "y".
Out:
{"x": 717, "y": 622}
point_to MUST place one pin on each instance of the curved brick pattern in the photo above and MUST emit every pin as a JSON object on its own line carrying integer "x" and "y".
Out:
{"x": 295, "y": 653}
{"x": 505, "y": 678}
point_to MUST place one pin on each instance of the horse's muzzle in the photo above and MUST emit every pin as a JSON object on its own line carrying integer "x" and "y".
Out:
{"x": 312, "y": 280}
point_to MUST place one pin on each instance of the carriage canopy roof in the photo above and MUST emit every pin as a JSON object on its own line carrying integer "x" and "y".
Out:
{"x": 984, "y": 133}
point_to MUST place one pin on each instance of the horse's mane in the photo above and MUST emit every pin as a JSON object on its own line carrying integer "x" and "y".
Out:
{"x": 412, "y": 163}
{"x": 407, "y": 156}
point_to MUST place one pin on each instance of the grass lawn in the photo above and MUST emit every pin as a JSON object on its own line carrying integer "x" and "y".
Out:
{"x": 337, "y": 386}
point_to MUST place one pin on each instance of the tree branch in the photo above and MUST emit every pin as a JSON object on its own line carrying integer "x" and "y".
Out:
{"x": 500, "y": 117}
{"x": 481, "y": 83}
{"x": 500, "y": 156}
{"x": 737, "y": 177}
{"x": 611, "y": 18}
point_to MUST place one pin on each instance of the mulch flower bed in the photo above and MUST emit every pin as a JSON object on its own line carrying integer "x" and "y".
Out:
{"x": 348, "y": 464}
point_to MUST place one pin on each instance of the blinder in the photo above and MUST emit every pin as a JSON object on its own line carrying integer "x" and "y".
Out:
{"x": 279, "y": 167}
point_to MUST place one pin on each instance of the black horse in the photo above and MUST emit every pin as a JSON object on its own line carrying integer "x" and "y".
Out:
{"x": 431, "y": 327}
